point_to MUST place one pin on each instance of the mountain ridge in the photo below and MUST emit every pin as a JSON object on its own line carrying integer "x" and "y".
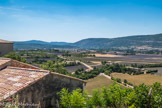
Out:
{"x": 154, "y": 41}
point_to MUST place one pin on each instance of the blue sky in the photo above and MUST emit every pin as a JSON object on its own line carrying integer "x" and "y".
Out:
{"x": 73, "y": 20}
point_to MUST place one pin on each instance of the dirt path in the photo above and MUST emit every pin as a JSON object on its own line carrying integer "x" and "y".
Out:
{"x": 89, "y": 67}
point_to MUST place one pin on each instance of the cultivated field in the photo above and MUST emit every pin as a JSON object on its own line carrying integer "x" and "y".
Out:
{"x": 96, "y": 62}
{"x": 97, "y": 82}
{"x": 74, "y": 68}
{"x": 129, "y": 59}
{"x": 147, "y": 79}
{"x": 106, "y": 55}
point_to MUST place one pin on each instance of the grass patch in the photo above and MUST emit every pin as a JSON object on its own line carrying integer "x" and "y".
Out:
{"x": 97, "y": 82}
{"x": 147, "y": 79}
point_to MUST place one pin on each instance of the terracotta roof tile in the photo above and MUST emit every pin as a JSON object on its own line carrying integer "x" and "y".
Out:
{"x": 13, "y": 79}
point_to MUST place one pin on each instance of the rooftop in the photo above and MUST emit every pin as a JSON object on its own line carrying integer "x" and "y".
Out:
{"x": 5, "y": 41}
{"x": 13, "y": 79}
{"x": 4, "y": 60}
{"x": 15, "y": 75}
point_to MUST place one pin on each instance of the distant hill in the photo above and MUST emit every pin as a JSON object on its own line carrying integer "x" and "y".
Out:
{"x": 43, "y": 42}
{"x": 154, "y": 41}
{"x": 60, "y": 43}
{"x": 37, "y": 44}
{"x": 151, "y": 41}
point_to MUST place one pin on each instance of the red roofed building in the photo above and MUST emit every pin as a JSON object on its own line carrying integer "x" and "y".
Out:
{"x": 33, "y": 85}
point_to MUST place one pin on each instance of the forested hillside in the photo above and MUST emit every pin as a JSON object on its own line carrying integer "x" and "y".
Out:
{"x": 154, "y": 41}
{"x": 150, "y": 41}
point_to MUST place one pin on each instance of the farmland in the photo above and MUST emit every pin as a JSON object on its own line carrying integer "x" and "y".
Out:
{"x": 139, "y": 58}
{"x": 74, "y": 68}
{"x": 97, "y": 82}
{"x": 95, "y": 60}
{"x": 106, "y": 55}
{"x": 139, "y": 79}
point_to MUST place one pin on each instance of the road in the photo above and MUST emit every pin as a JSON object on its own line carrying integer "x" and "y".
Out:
{"x": 89, "y": 67}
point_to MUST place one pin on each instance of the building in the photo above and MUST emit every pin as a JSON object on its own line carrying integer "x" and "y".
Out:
{"x": 32, "y": 84}
{"x": 5, "y": 47}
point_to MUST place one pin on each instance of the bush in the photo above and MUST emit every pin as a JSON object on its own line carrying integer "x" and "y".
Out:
{"x": 152, "y": 71}
{"x": 118, "y": 80}
{"x": 125, "y": 81}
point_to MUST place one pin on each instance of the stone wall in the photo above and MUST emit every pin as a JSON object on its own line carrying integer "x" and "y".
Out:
{"x": 45, "y": 90}
{"x": 5, "y": 48}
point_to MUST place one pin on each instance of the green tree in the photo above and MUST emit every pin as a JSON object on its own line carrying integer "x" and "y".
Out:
{"x": 54, "y": 67}
{"x": 103, "y": 62}
{"x": 113, "y": 97}
{"x": 75, "y": 99}
{"x": 96, "y": 98}
{"x": 15, "y": 56}
{"x": 125, "y": 81}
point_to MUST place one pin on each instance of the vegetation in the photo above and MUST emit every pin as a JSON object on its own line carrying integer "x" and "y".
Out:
{"x": 152, "y": 71}
{"x": 86, "y": 75}
{"x": 66, "y": 54}
{"x": 15, "y": 56}
{"x": 147, "y": 65}
{"x": 78, "y": 55}
{"x": 127, "y": 42}
{"x": 115, "y": 97}
{"x": 37, "y": 54}
{"x": 103, "y": 62}
{"x": 38, "y": 61}
{"x": 71, "y": 64}
{"x": 54, "y": 67}
{"x": 28, "y": 46}
{"x": 108, "y": 69}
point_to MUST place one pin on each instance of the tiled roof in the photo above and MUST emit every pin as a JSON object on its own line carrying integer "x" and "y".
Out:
{"x": 13, "y": 79}
{"x": 15, "y": 76}
{"x": 5, "y": 41}
{"x": 4, "y": 60}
